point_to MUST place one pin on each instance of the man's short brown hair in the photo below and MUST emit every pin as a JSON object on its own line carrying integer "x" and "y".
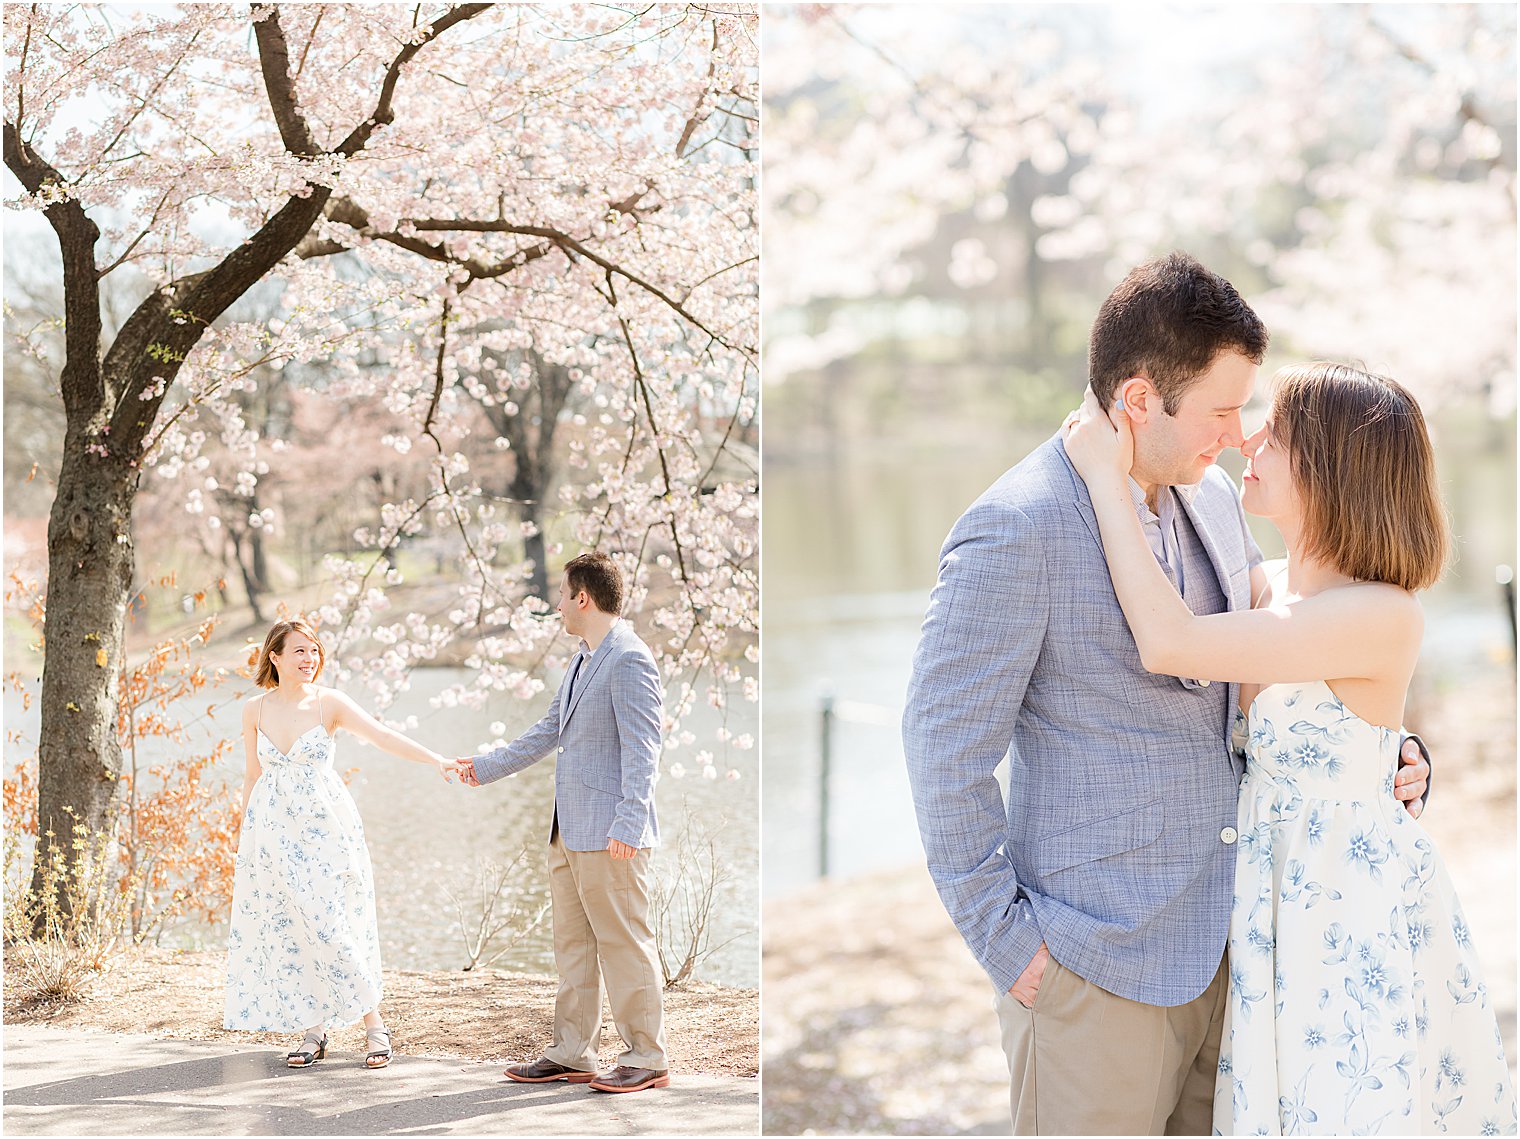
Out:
{"x": 1168, "y": 320}
{"x": 1365, "y": 473}
{"x": 600, "y": 577}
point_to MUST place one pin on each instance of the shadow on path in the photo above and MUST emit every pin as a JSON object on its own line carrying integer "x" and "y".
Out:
{"x": 61, "y": 1082}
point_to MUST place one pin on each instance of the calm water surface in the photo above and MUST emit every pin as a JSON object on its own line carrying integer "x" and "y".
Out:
{"x": 851, "y": 550}
{"x": 427, "y": 837}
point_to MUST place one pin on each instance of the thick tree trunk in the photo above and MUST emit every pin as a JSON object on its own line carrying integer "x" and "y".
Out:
{"x": 247, "y": 569}
{"x": 529, "y": 510}
{"x": 258, "y": 560}
{"x": 531, "y": 435}
{"x": 90, "y": 567}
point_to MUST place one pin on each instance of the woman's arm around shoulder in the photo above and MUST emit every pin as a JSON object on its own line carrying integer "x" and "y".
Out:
{"x": 1365, "y": 630}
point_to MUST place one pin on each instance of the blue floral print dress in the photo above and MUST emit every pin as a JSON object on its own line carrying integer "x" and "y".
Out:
{"x": 1356, "y": 1004}
{"x": 303, "y": 948}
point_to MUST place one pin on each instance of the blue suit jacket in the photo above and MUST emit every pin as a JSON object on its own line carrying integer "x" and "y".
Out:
{"x": 1109, "y": 848}
{"x": 606, "y": 739}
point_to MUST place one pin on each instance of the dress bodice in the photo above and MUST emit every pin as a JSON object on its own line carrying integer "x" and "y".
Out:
{"x": 313, "y": 748}
{"x": 1303, "y": 738}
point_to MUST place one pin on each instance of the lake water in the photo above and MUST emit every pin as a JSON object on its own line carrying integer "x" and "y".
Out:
{"x": 426, "y": 836}
{"x": 851, "y": 549}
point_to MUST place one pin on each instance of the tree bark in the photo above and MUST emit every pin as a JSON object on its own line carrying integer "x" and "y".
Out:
{"x": 90, "y": 566}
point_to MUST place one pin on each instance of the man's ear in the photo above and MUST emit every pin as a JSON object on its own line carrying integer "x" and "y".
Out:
{"x": 1141, "y": 399}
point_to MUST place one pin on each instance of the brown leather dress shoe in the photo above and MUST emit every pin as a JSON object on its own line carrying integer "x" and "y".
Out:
{"x": 543, "y": 1071}
{"x": 626, "y": 1079}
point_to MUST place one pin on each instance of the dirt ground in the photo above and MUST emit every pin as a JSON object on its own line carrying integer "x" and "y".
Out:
{"x": 480, "y": 1015}
{"x": 878, "y": 1021}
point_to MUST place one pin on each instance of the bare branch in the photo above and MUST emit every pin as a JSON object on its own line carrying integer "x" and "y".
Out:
{"x": 565, "y": 241}
{"x": 147, "y": 229}
{"x": 347, "y": 212}
{"x": 81, "y": 382}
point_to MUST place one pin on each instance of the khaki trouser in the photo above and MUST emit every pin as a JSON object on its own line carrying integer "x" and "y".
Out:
{"x": 601, "y": 934}
{"x": 1085, "y": 1062}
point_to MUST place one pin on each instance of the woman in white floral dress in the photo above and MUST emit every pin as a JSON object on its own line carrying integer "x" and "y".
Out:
{"x": 303, "y": 951}
{"x": 1356, "y": 1004}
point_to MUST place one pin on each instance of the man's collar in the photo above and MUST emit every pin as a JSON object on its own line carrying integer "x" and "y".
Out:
{"x": 1187, "y": 492}
{"x": 612, "y": 630}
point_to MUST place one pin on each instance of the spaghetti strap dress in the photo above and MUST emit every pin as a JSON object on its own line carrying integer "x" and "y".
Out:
{"x": 303, "y": 948}
{"x": 1356, "y": 1001}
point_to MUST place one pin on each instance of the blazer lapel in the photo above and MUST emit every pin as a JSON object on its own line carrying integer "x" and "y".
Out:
{"x": 1082, "y": 500}
{"x": 589, "y": 668}
{"x": 1200, "y": 527}
{"x": 565, "y": 685}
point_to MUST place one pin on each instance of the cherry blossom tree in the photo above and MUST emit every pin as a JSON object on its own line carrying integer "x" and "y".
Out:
{"x": 1354, "y": 170}
{"x": 429, "y": 189}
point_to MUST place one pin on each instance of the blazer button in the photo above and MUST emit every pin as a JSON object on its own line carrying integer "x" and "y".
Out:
{"x": 562, "y": 751}
{"x": 1228, "y": 835}
{"x": 1203, "y": 684}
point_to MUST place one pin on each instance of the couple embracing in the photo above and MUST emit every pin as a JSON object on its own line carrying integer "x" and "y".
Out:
{"x": 1206, "y": 904}
{"x": 303, "y": 950}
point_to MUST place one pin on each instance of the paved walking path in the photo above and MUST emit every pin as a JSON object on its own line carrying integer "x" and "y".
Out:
{"x": 60, "y": 1081}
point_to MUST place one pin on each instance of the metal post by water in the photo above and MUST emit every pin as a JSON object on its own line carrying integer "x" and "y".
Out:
{"x": 1506, "y": 579}
{"x": 825, "y": 747}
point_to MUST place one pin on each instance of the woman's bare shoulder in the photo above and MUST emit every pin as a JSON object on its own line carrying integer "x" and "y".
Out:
{"x": 1388, "y": 611}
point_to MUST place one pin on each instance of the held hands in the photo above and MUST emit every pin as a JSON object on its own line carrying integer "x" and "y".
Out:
{"x": 466, "y": 771}
{"x": 1410, "y": 784}
{"x": 620, "y": 849}
{"x": 1101, "y": 446}
{"x": 448, "y": 768}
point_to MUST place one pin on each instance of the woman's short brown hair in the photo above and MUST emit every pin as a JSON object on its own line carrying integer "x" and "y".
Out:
{"x": 1365, "y": 472}
{"x": 265, "y": 674}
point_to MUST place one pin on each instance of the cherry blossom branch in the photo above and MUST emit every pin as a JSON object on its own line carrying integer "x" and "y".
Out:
{"x": 347, "y": 212}
{"x": 443, "y": 475}
{"x": 654, "y": 428}
{"x": 1467, "y": 110}
{"x": 733, "y": 421}
{"x": 395, "y": 534}
{"x": 311, "y": 38}
{"x": 147, "y": 100}
{"x": 696, "y": 115}
{"x": 383, "y": 114}
{"x": 26, "y": 44}
{"x": 719, "y": 272}
{"x": 150, "y": 346}
{"x": 279, "y": 83}
{"x": 566, "y": 241}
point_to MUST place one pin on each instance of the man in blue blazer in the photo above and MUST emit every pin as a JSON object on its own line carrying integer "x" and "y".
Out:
{"x": 1097, "y": 897}
{"x": 604, "y": 730}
